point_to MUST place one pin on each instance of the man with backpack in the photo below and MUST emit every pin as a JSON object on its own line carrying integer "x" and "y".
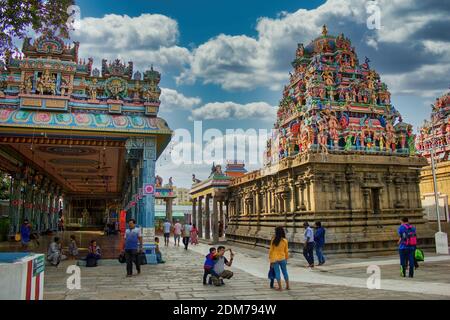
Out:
{"x": 407, "y": 246}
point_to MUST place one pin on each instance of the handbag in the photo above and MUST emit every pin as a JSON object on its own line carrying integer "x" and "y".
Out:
{"x": 18, "y": 237}
{"x": 419, "y": 255}
{"x": 122, "y": 258}
{"x": 142, "y": 258}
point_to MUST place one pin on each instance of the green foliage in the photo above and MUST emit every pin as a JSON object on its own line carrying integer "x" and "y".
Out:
{"x": 5, "y": 184}
{"x": 19, "y": 17}
{"x": 4, "y": 228}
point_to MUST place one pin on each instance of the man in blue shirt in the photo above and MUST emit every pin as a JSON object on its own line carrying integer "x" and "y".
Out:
{"x": 308, "y": 249}
{"x": 25, "y": 234}
{"x": 132, "y": 245}
{"x": 406, "y": 246}
{"x": 319, "y": 239}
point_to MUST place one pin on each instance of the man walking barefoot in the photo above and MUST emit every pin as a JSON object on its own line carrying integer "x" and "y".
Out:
{"x": 167, "y": 226}
{"x": 132, "y": 246}
{"x": 177, "y": 232}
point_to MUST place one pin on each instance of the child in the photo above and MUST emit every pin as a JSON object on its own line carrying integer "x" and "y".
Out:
{"x": 209, "y": 264}
{"x": 158, "y": 252}
{"x": 271, "y": 275}
{"x": 73, "y": 248}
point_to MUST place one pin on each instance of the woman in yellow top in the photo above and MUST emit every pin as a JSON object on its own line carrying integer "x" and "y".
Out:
{"x": 278, "y": 255}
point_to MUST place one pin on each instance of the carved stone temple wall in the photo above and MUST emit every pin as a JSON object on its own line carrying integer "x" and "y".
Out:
{"x": 358, "y": 198}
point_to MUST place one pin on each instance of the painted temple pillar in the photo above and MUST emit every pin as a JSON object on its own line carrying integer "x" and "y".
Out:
{"x": 140, "y": 203}
{"x": 207, "y": 218}
{"x": 15, "y": 199}
{"x": 169, "y": 209}
{"x": 134, "y": 209}
{"x": 148, "y": 147}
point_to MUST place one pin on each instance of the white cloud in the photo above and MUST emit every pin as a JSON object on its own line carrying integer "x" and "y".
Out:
{"x": 145, "y": 40}
{"x": 234, "y": 111}
{"x": 427, "y": 77}
{"x": 172, "y": 100}
{"x": 244, "y": 63}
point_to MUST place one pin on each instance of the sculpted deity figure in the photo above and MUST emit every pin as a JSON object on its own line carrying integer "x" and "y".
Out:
{"x": 411, "y": 144}
{"x": 333, "y": 127}
{"x": 328, "y": 78}
{"x": 194, "y": 179}
{"x": 28, "y": 85}
{"x": 347, "y": 97}
{"x": 152, "y": 93}
{"x": 137, "y": 90}
{"x": 46, "y": 83}
{"x": 331, "y": 94}
{"x": 390, "y": 136}
{"x": 381, "y": 142}
{"x": 374, "y": 98}
{"x": 322, "y": 136}
{"x": 402, "y": 140}
{"x": 362, "y": 139}
{"x": 348, "y": 142}
{"x": 93, "y": 89}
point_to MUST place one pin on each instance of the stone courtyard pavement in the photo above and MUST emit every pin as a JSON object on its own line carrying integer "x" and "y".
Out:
{"x": 180, "y": 278}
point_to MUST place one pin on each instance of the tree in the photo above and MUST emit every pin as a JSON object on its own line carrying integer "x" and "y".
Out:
{"x": 18, "y": 17}
{"x": 5, "y": 185}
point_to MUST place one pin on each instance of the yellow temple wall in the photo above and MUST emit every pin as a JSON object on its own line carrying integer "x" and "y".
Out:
{"x": 443, "y": 179}
{"x": 443, "y": 187}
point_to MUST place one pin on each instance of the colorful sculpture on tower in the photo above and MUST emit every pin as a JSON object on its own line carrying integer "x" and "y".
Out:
{"x": 335, "y": 104}
{"x": 51, "y": 69}
{"x": 436, "y": 131}
{"x": 347, "y": 159}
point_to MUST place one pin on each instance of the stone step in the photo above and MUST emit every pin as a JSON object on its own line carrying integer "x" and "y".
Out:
{"x": 101, "y": 262}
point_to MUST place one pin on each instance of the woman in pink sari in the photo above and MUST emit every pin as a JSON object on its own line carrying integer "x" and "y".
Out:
{"x": 194, "y": 235}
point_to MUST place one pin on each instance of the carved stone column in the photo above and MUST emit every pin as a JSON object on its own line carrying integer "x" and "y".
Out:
{"x": 194, "y": 212}
{"x": 207, "y": 218}
{"x": 200, "y": 217}
{"x": 214, "y": 222}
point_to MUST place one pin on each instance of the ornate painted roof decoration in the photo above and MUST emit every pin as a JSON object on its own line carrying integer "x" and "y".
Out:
{"x": 48, "y": 45}
{"x": 50, "y": 76}
{"x": 436, "y": 131}
{"x": 335, "y": 104}
{"x": 117, "y": 69}
{"x": 235, "y": 168}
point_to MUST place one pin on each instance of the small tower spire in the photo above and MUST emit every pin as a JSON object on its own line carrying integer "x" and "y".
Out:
{"x": 324, "y": 30}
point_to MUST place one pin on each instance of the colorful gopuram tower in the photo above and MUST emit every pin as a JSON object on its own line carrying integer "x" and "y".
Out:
{"x": 435, "y": 133}
{"x": 341, "y": 154}
{"x": 74, "y": 134}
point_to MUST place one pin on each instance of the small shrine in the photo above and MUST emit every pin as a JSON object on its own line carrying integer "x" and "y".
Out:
{"x": 210, "y": 225}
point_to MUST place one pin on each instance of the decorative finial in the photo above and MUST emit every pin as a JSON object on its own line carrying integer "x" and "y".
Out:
{"x": 324, "y": 30}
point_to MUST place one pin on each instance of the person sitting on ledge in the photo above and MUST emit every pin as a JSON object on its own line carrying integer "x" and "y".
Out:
{"x": 218, "y": 271}
{"x": 54, "y": 253}
{"x": 94, "y": 254}
{"x": 158, "y": 252}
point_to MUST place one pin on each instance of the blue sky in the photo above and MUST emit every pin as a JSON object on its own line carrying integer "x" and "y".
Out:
{"x": 226, "y": 62}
